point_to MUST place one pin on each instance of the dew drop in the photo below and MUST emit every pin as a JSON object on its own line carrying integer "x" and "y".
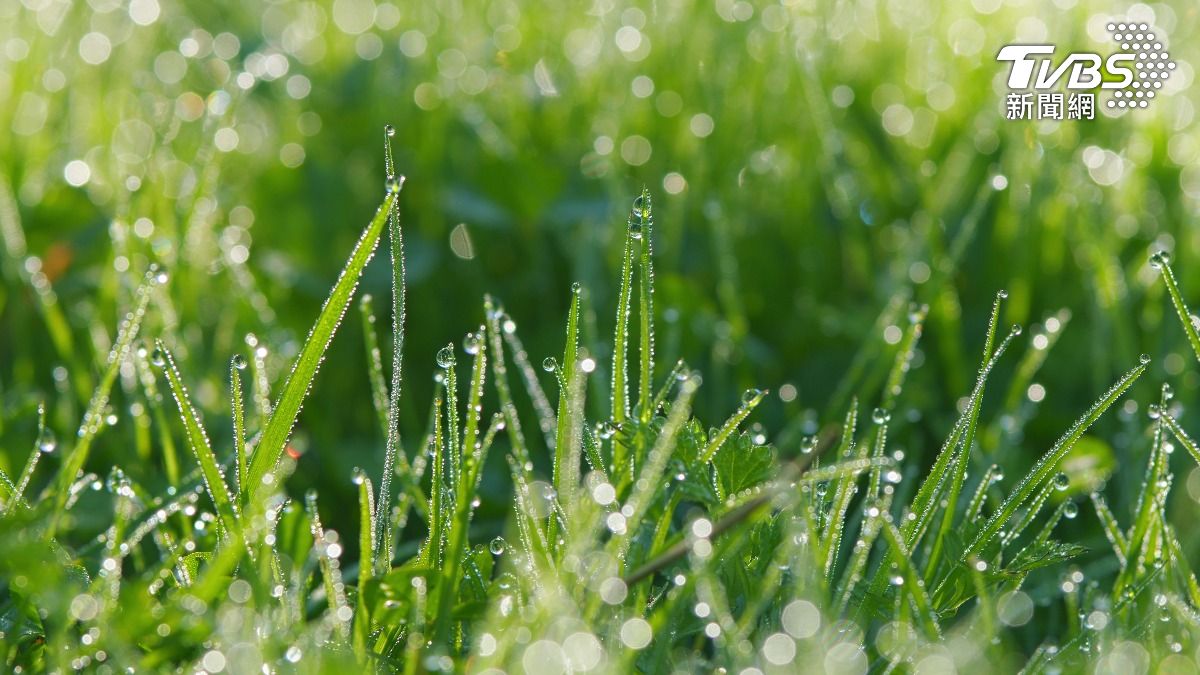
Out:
{"x": 750, "y": 396}
{"x": 1144, "y": 359}
{"x": 1070, "y": 510}
{"x": 394, "y": 183}
{"x": 497, "y": 545}
{"x": 1001, "y": 294}
{"x": 880, "y": 416}
{"x": 808, "y": 444}
{"x": 239, "y": 362}
{"x": 358, "y": 476}
{"x": 389, "y": 130}
{"x": 47, "y": 442}
{"x": 576, "y": 287}
{"x": 471, "y": 343}
{"x": 1061, "y": 482}
{"x": 1160, "y": 259}
{"x": 159, "y": 274}
{"x": 158, "y": 357}
{"x": 445, "y": 356}
{"x": 1016, "y": 330}
{"x": 549, "y": 364}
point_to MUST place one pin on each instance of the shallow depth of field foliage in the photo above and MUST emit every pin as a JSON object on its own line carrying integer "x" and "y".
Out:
{"x": 699, "y": 335}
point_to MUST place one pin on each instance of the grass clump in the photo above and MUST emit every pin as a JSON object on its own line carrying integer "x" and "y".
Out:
{"x": 638, "y": 537}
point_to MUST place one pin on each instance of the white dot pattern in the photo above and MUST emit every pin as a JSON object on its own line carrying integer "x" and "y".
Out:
{"x": 1152, "y": 64}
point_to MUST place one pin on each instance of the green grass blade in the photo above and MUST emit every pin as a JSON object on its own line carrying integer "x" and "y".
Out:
{"x": 1112, "y": 529}
{"x": 92, "y": 418}
{"x": 1042, "y": 471}
{"x": 620, "y": 366}
{"x": 366, "y": 524}
{"x": 642, "y": 218}
{"x": 750, "y": 401}
{"x": 1162, "y": 261}
{"x": 45, "y": 443}
{"x": 842, "y": 496}
{"x": 375, "y": 377}
{"x": 214, "y": 480}
{"x": 1182, "y": 436}
{"x": 295, "y": 389}
{"x": 904, "y": 356}
{"x": 512, "y": 422}
{"x": 560, "y": 473}
{"x": 394, "y": 452}
{"x": 236, "y": 365}
{"x": 433, "y": 545}
{"x": 959, "y": 474}
{"x": 913, "y": 585}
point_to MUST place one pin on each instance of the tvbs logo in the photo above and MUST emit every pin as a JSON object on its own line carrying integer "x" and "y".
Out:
{"x": 1133, "y": 75}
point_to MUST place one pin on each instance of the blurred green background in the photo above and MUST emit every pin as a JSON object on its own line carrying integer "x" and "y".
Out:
{"x": 815, "y": 165}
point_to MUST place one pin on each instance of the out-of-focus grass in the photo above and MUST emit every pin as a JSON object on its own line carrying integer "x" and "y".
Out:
{"x": 816, "y": 164}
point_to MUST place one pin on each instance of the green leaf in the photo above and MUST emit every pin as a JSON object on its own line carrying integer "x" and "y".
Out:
{"x": 742, "y": 464}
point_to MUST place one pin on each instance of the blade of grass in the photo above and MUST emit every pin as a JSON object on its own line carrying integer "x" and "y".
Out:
{"x": 643, "y": 218}
{"x": 1162, "y": 261}
{"x": 214, "y": 481}
{"x": 1045, "y": 466}
{"x": 92, "y": 418}
{"x": 295, "y": 389}
{"x": 394, "y": 452}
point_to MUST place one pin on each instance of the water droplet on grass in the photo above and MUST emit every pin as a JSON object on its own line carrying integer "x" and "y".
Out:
{"x": 880, "y": 416}
{"x": 394, "y": 183}
{"x": 549, "y": 364}
{"x": 1144, "y": 359}
{"x": 445, "y": 356}
{"x": 239, "y": 362}
{"x": 1160, "y": 259}
{"x": 158, "y": 357}
{"x": 1061, "y": 482}
{"x": 497, "y": 545}
{"x": 47, "y": 441}
{"x": 471, "y": 343}
{"x": 389, "y": 130}
{"x": 750, "y": 395}
{"x": 1070, "y": 510}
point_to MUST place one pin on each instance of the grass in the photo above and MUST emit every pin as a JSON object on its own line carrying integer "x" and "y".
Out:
{"x": 773, "y": 419}
{"x": 654, "y": 543}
